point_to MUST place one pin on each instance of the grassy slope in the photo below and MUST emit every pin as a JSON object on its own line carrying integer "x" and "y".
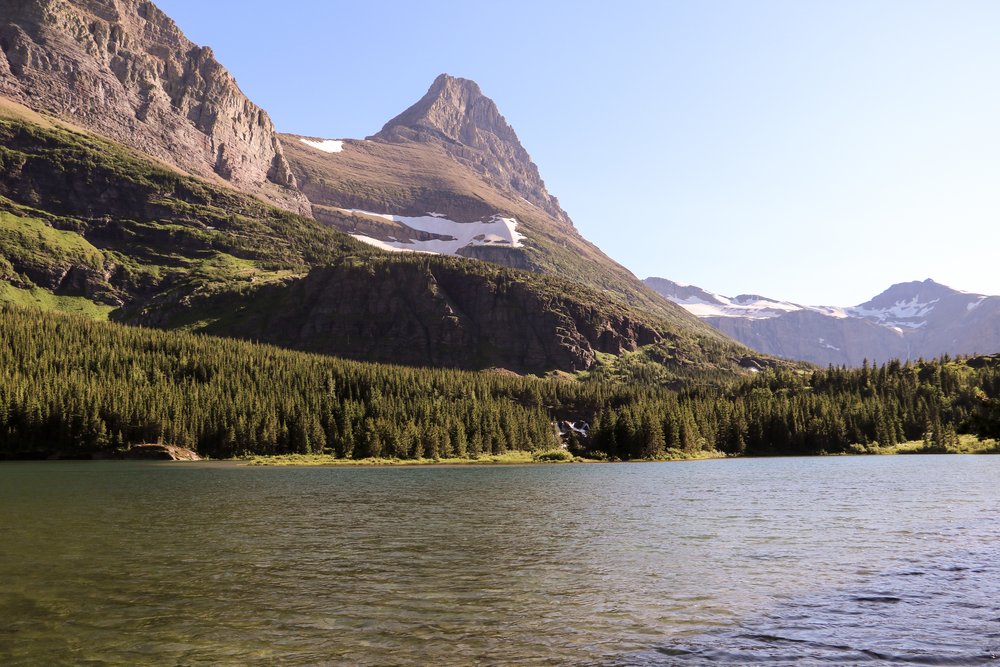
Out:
{"x": 31, "y": 241}
{"x": 45, "y": 300}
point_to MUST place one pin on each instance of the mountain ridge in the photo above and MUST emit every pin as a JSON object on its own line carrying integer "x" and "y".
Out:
{"x": 906, "y": 321}
{"x": 388, "y": 190}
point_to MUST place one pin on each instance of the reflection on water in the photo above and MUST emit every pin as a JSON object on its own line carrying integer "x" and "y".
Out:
{"x": 782, "y": 561}
{"x": 936, "y": 609}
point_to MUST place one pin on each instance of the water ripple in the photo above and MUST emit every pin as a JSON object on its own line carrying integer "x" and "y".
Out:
{"x": 837, "y": 561}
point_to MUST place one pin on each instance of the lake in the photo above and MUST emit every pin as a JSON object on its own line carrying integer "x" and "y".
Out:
{"x": 775, "y": 561}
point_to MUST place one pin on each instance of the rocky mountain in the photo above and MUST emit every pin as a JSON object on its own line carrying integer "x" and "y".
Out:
{"x": 124, "y": 69}
{"x": 456, "y": 114}
{"x": 450, "y": 176}
{"x": 907, "y": 321}
{"x": 90, "y": 226}
{"x": 135, "y": 182}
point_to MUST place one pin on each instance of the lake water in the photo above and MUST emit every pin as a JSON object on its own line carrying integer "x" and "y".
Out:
{"x": 776, "y": 561}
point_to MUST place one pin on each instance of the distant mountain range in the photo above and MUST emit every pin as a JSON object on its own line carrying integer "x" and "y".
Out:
{"x": 907, "y": 321}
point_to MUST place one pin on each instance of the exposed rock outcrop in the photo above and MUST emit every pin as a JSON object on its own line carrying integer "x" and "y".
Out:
{"x": 124, "y": 69}
{"x": 155, "y": 452}
{"x": 434, "y": 314}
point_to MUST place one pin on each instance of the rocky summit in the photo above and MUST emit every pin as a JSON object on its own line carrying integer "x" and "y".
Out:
{"x": 124, "y": 69}
{"x": 469, "y": 126}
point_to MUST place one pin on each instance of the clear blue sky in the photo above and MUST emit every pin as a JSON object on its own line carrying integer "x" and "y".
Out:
{"x": 816, "y": 150}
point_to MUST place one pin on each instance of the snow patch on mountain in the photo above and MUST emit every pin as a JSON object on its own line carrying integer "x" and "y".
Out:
{"x": 901, "y": 314}
{"x": 721, "y": 306}
{"x": 975, "y": 304}
{"x": 325, "y": 145}
{"x": 382, "y": 245}
{"x": 497, "y": 231}
{"x": 750, "y": 306}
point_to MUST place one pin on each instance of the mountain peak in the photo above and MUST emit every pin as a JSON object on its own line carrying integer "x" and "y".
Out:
{"x": 446, "y": 83}
{"x": 916, "y": 291}
{"x": 457, "y": 115}
{"x": 456, "y": 109}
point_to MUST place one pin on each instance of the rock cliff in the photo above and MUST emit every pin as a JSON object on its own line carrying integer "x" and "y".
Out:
{"x": 124, "y": 69}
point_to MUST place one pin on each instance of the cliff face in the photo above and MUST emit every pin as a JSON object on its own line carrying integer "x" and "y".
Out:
{"x": 433, "y": 313}
{"x": 125, "y": 70}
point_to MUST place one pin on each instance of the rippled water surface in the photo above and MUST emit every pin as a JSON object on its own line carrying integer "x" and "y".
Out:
{"x": 892, "y": 560}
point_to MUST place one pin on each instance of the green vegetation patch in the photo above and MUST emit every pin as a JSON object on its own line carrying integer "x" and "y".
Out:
{"x": 34, "y": 242}
{"x": 36, "y": 297}
{"x": 508, "y": 458}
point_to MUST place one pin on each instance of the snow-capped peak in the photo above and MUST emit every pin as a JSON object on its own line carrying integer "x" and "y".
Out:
{"x": 702, "y": 303}
{"x": 903, "y": 306}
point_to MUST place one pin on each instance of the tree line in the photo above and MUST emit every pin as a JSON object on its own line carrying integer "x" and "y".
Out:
{"x": 826, "y": 411}
{"x": 74, "y": 388}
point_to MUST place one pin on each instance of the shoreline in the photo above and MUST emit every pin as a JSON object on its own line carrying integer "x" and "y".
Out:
{"x": 510, "y": 458}
{"x": 968, "y": 445}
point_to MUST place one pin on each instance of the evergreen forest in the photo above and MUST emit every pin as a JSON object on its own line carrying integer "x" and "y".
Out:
{"x": 71, "y": 387}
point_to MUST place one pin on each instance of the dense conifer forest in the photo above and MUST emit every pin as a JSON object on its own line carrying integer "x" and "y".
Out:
{"x": 72, "y": 387}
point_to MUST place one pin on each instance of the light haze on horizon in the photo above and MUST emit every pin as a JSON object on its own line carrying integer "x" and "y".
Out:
{"x": 810, "y": 151}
